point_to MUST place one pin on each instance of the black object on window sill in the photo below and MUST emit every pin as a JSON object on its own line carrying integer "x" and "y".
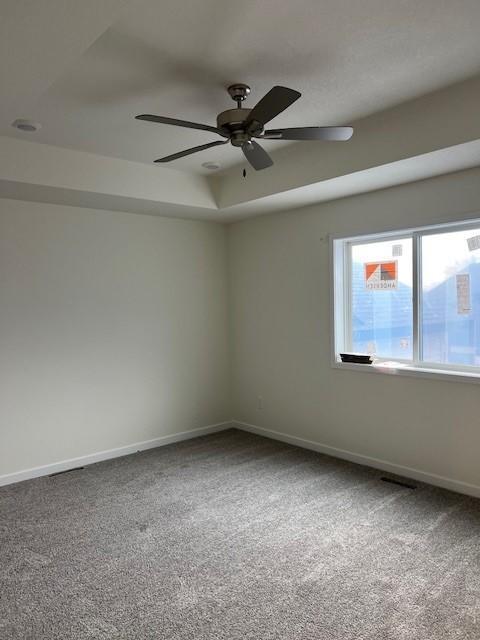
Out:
{"x": 357, "y": 358}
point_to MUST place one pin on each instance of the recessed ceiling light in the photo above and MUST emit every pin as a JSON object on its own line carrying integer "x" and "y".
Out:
{"x": 26, "y": 125}
{"x": 211, "y": 165}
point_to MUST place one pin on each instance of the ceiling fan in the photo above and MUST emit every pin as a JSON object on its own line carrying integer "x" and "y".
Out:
{"x": 238, "y": 126}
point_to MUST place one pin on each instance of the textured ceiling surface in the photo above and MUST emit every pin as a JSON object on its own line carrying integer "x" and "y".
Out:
{"x": 176, "y": 58}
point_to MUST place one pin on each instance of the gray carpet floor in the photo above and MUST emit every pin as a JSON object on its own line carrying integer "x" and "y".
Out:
{"x": 233, "y": 536}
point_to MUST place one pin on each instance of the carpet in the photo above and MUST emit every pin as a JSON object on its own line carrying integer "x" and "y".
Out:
{"x": 233, "y": 536}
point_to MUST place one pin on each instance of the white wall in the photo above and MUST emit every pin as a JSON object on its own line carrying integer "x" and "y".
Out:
{"x": 112, "y": 330}
{"x": 280, "y": 322}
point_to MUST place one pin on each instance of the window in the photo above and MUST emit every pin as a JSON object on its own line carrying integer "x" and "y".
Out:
{"x": 410, "y": 297}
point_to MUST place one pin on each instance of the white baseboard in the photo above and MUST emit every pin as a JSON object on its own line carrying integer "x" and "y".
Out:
{"x": 391, "y": 467}
{"x": 82, "y": 461}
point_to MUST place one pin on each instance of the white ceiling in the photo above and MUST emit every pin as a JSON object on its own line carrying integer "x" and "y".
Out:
{"x": 176, "y": 57}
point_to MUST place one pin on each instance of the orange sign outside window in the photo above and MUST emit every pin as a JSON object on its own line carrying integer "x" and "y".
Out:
{"x": 381, "y": 275}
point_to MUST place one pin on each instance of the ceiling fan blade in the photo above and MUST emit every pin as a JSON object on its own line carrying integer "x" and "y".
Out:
{"x": 257, "y": 157}
{"x": 310, "y": 133}
{"x": 273, "y": 103}
{"x": 181, "y": 123}
{"x": 187, "y": 152}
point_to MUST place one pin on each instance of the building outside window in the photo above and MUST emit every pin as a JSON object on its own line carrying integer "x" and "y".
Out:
{"x": 412, "y": 296}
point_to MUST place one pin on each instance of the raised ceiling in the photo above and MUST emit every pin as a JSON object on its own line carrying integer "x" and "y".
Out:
{"x": 176, "y": 58}
{"x": 405, "y": 73}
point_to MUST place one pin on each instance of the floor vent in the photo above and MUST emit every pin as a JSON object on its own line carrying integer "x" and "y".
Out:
{"x": 400, "y": 484}
{"x": 58, "y": 473}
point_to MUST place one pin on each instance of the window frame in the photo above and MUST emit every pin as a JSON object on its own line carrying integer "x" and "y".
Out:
{"x": 341, "y": 293}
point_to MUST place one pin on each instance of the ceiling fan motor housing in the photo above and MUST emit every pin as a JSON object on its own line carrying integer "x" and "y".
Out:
{"x": 233, "y": 121}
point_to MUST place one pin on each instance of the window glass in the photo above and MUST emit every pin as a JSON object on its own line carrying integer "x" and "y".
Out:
{"x": 450, "y": 305}
{"x": 381, "y": 298}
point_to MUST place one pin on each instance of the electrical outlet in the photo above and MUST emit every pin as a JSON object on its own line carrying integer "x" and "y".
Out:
{"x": 259, "y": 402}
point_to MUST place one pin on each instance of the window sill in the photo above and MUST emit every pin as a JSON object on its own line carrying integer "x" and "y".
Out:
{"x": 397, "y": 368}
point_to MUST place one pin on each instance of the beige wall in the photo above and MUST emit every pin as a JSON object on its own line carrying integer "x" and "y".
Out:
{"x": 280, "y": 333}
{"x": 112, "y": 330}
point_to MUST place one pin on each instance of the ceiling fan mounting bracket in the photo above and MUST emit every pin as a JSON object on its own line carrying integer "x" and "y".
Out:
{"x": 239, "y": 92}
